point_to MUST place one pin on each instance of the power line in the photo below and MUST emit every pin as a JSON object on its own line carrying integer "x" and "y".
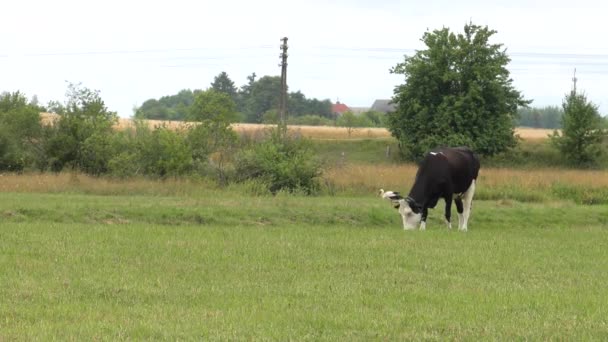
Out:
{"x": 367, "y": 51}
{"x": 142, "y": 51}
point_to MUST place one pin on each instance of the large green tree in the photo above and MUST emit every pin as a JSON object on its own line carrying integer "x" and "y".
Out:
{"x": 582, "y": 133}
{"x": 263, "y": 96}
{"x": 19, "y": 131}
{"x": 457, "y": 91}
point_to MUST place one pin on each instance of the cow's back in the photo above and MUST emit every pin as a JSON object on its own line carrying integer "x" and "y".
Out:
{"x": 464, "y": 167}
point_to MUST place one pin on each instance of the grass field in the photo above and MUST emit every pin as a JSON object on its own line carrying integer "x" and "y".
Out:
{"x": 88, "y": 258}
{"x": 219, "y": 265}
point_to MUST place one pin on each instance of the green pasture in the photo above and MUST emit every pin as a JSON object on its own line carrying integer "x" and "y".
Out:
{"x": 228, "y": 266}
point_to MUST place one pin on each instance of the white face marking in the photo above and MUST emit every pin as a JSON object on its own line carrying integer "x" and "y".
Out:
{"x": 434, "y": 153}
{"x": 410, "y": 219}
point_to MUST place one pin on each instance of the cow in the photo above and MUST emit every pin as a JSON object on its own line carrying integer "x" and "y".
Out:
{"x": 448, "y": 173}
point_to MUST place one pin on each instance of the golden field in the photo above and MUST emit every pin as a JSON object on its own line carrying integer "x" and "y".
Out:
{"x": 395, "y": 177}
{"x": 313, "y": 132}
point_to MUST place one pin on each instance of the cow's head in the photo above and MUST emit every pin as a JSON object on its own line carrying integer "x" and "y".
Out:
{"x": 411, "y": 213}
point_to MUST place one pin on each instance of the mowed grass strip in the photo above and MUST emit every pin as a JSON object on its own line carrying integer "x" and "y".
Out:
{"x": 324, "y": 268}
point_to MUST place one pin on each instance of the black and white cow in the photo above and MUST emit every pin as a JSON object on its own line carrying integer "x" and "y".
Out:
{"x": 448, "y": 173}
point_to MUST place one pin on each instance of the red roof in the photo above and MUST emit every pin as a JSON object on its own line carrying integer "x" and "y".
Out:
{"x": 339, "y": 108}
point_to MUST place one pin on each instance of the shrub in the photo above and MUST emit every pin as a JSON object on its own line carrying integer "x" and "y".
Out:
{"x": 19, "y": 130}
{"x": 282, "y": 162}
{"x": 310, "y": 120}
{"x": 159, "y": 152}
{"x": 73, "y": 139}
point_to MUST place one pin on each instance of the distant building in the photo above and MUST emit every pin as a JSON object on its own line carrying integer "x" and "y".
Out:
{"x": 383, "y": 106}
{"x": 339, "y": 108}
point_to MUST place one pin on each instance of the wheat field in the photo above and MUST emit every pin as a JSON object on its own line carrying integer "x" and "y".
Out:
{"x": 313, "y": 132}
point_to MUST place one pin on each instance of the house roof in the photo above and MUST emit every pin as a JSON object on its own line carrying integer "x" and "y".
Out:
{"x": 384, "y": 106}
{"x": 339, "y": 108}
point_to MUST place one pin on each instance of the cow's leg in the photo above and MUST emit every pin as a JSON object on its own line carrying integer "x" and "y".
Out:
{"x": 459, "y": 210}
{"x": 467, "y": 201}
{"x": 448, "y": 211}
{"x": 425, "y": 213}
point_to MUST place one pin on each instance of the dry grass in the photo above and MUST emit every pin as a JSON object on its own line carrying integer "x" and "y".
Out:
{"x": 81, "y": 183}
{"x": 533, "y": 133}
{"x": 313, "y": 132}
{"x": 400, "y": 178}
{"x": 345, "y": 179}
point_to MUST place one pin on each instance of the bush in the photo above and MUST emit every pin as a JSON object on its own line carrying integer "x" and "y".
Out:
{"x": 159, "y": 152}
{"x": 74, "y": 138}
{"x": 19, "y": 130}
{"x": 282, "y": 162}
{"x": 310, "y": 120}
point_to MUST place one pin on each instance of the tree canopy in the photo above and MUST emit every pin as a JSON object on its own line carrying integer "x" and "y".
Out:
{"x": 223, "y": 84}
{"x": 545, "y": 117}
{"x": 457, "y": 91}
{"x": 253, "y": 100}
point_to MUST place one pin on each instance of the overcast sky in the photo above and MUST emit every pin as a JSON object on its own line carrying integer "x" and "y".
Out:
{"x": 135, "y": 50}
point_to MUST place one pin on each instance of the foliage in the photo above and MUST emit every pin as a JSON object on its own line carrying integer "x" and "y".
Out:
{"x": 282, "y": 162}
{"x": 546, "y": 117}
{"x": 264, "y": 96}
{"x": 55, "y": 107}
{"x": 376, "y": 119}
{"x": 19, "y": 131}
{"x": 581, "y": 136}
{"x": 310, "y": 120}
{"x": 80, "y": 137}
{"x": 299, "y": 105}
{"x": 213, "y": 107}
{"x": 271, "y": 117}
{"x": 457, "y": 92}
{"x": 173, "y": 107}
{"x": 352, "y": 121}
{"x": 223, "y": 84}
{"x": 212, "y": 141}
{"x": 157, "y": 152}
{"x": 253, "y": 100}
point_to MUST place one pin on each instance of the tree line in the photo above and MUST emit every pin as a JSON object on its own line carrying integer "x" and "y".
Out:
{"x": 83, "y": 139}
{"x": 256, "y": 101}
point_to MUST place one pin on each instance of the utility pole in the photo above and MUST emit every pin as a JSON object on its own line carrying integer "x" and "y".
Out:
{"x": 283, "y": 97}
{"x": 574, "y": 79}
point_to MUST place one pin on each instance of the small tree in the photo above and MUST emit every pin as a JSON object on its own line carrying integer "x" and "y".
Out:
{"x": 80, "y": 137}
{"x": 348, "y": 120}
{"x": 582, "y": 132}
{"x": 213, "y": 140}
{"x": 457, "y": 92}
